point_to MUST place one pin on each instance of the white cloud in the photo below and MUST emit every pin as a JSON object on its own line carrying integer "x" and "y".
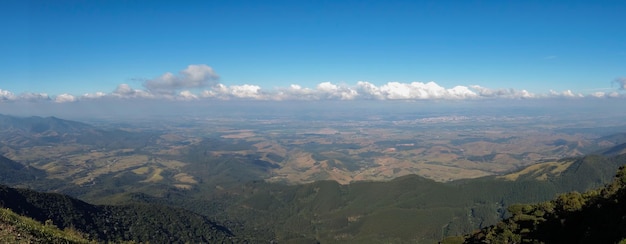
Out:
{"x": 34, "y": 97}
{"x": 218, "y": 91}
{"x": 460, "y": 92}
{"x": 566, "y": 93}
{"x": 6, "y": 95}
{"x": 570, "y": 93}
{"x": 419, "y": 90}
{"x": 328, "y": 90}
{"x": 187, "y": 95}
{"x": 63, "y": 98}
{"x": 486, "y": 92}
{"x": 93, "y": 95}
{"x": 185, "y": 84}
{"x": 501, "y": 93}
{"x": 598, "y": 94}
{"x": 295, "y": 92}
{"x": 369, "y": 90}
{"x": 125, "y": 91}
{"x": 245, "y": 91}
{"x": 194, "y": 76}
{"x": 397, "y": 90}
{"x": 614, "y": 95}
{"x": 525, "y": 94}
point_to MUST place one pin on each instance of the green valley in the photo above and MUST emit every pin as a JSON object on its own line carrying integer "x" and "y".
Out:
{"x": 240, "y": 181}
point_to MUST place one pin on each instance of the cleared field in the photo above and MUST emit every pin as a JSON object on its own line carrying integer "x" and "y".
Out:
{"x": 141, "y": 171}
{"x": 172, "y": 164}
{"x": 155, "y": 176}
{"x": 540, "y": 171}
{"x": 447, "y": 173}
{"x": 185, "y": 178}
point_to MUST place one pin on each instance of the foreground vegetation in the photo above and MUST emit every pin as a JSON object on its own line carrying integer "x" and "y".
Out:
{"x": 15, "y": 228}
{"x": 595, "y": 216}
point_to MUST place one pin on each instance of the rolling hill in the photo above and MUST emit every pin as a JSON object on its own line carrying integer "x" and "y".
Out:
{"x": 404, "y": 210}
{"x": 172, "y": 187}
{"x": 40, "y": 131}
{"x": 407, "y": 209}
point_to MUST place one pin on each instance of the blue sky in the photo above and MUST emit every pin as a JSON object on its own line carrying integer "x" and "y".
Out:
{"x": 79, "y": 47}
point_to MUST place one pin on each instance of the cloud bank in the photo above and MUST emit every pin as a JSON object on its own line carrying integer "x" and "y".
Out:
{"x": 194, "y": 76}
{"x": 200, "y": 82}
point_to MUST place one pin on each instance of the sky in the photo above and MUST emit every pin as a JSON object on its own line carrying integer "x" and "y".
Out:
{"x": 67, "y": 51}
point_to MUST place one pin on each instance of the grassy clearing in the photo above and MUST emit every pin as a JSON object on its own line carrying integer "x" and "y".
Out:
{"x": 183, "y": 186}
{"x": 19, "y": 229}
{"x": 141, "y": 171}
{"x": 445, "y": 173}
{"x": 109, "y": 165}
{"x": 172, "y": 164}
{"x": 156, "y": 176}
{"x": 540, "y": 170}
{"x": 36, "y": 153}
{"x": 185, "y": 178}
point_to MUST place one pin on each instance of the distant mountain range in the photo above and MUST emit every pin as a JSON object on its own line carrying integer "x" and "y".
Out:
{"x": 40, "y": 125}
{"x": 39, "y": 131}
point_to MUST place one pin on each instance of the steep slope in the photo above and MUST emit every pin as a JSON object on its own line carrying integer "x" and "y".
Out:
{"x": 12, "y": 172}
{"x": 596, "y": 216}
{"x": 139, "y": 222}
{"x": 20, "y": 229}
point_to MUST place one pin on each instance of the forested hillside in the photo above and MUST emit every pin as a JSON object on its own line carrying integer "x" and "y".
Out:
{"x": 595, "y": 216}
{"x": 406, "y": 209}
{"x": 136, "y": 222}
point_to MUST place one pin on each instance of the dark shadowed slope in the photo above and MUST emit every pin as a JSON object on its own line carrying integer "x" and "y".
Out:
{"x": 138, "y": 222}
